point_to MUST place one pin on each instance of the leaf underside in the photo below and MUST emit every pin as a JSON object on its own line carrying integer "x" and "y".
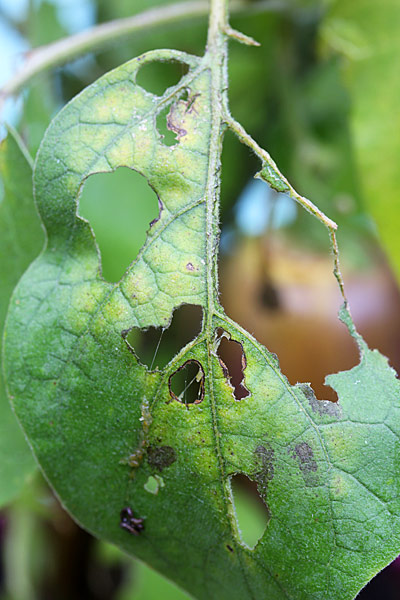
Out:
{"x": 101, "y": 423}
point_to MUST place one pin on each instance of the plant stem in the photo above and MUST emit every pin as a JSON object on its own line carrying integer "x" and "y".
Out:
{"x": 217, "y": 56}
{"x": 217, "y": 24}
{"x": 52, "y": 55}
{"x": 265, "y": 157}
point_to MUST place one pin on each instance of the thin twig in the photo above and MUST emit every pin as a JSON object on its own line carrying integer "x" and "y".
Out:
{"x": 53, "y": 55}
{"x": 304, "y": 202}
{"x": 336, "y": 269}
{"x": 266, "y": 158}
{"x": 240, "y": 37}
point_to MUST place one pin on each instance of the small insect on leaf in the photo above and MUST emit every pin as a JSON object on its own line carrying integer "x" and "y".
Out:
{"x": 129, "y": 522}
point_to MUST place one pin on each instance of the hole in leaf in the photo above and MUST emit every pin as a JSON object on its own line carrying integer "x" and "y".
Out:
{"x": 252, "y": 515}
{"x": 119, "y": 206}
{"x": 329, "y": 395}
{"x": 153, "y": 484}
{"x": 157, "y": 76}
{"x": 186, "y": 385}
{"x": 233, "y": 362}
{"x": 168, "y": 136}
{"x": 155, "y": 347}
{"x": 323, "y": 407}
{"x": 299, "y": 318}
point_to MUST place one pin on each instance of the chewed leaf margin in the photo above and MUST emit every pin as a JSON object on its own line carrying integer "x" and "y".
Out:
{"x": 102, "y": 424}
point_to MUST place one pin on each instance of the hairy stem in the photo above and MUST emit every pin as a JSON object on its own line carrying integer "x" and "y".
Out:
{"x": 265, "y": 157}
{"x": 217, "y": 25}
{"x": 217, "y": 49}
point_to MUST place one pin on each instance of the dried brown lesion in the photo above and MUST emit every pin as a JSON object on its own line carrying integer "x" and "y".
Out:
{"x": 160, "y": 457}
{"x": 177, "y": 115}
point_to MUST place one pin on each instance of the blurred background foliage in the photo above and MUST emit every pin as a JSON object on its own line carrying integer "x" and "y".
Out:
{"x": 321, "y": 95}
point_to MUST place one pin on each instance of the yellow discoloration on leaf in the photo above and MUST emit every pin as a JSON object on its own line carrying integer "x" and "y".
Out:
{"x": 121, "y": 153}
{"x": 309, "y": 465}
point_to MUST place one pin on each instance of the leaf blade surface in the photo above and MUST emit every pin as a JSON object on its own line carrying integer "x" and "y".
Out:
{"x": 101, "y": 423}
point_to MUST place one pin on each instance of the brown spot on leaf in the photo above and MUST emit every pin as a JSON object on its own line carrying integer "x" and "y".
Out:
{"x": 265, "y": 473}
{"x": 160, "y": 457}
{"x": 304, "y": 454}
{"x": 322, "y": 407}
{"x": 174, "y": 120}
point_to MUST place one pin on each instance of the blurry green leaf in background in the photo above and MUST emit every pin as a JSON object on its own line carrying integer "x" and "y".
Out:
{"x": 21, "y": 239}
{"x": 367, "y": 34}
{"x": 146, "y": 584}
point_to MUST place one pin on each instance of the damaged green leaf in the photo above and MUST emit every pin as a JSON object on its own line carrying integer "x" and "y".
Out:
{"x": 104, "y": 426}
